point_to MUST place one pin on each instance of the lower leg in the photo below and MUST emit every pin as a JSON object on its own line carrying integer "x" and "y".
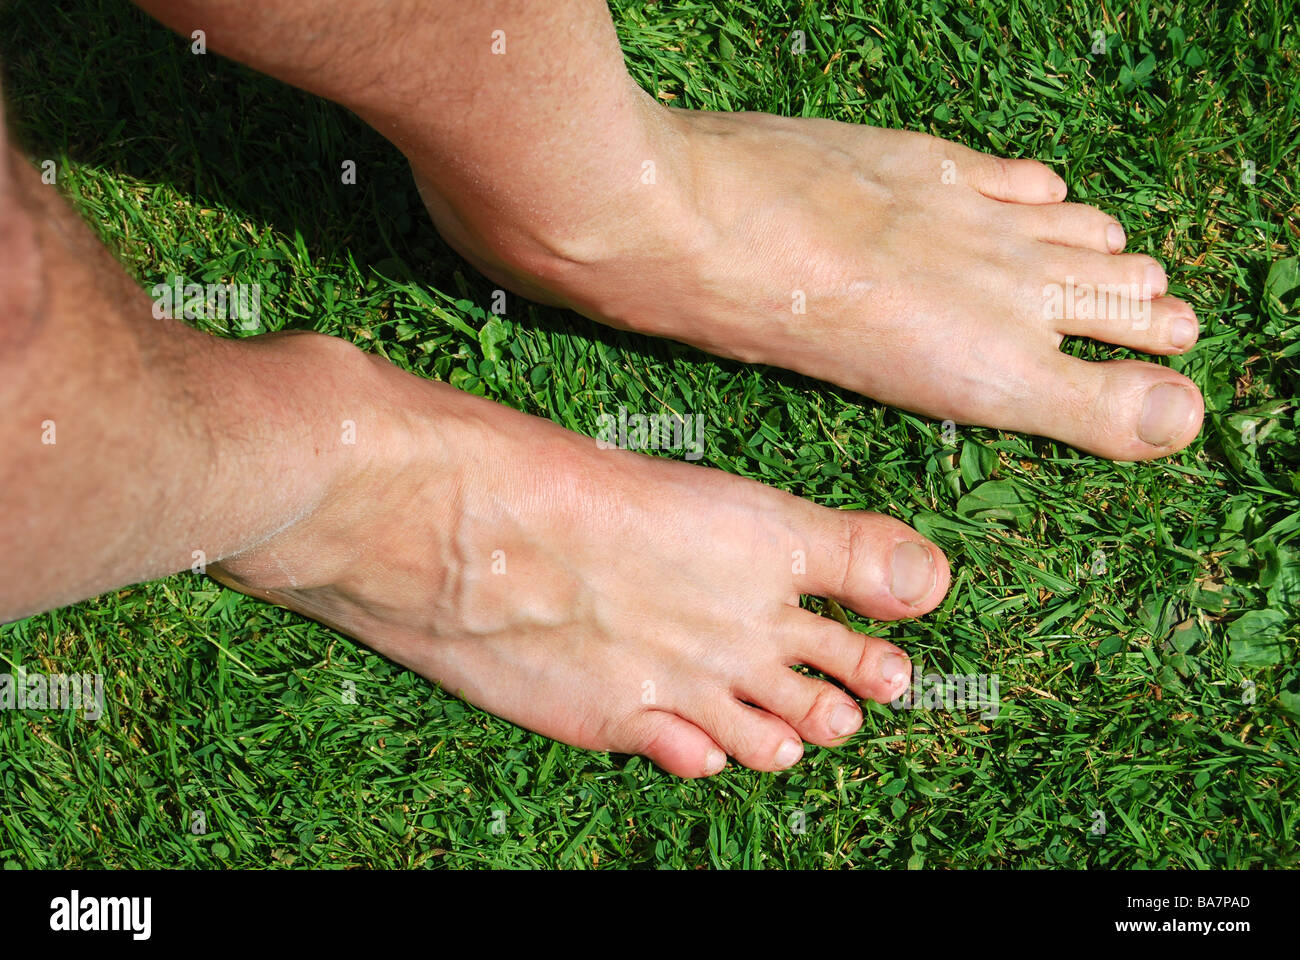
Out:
{"x": 115, "y": 467}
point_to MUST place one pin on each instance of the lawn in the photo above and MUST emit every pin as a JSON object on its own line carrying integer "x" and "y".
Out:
{"x": 1141, "y": 618}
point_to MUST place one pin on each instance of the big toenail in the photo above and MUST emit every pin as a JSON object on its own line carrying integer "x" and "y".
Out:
{"x": 1154, "y": 282}
{"x": 913, "y": 576}
{"x": 1115, "y": 238}
{"x": 1182, "y": 332}
{"x": 1165, "y": 413}
{"x": 845, "y": 719}
{"x": 715, "y": 761}
{"x": 896, "y": 671}
{"x": 788, "y": 754}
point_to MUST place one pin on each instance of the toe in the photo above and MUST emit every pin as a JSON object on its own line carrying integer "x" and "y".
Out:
{"x": 870, "y": 667}
{"x": 1163, "y": 326}
{"x": 1070, "y": 225}
{"x": 873, "y": 564}
{"x": 1016, "y": 181}
{"x": 1076, "y": 280}
{"x": 676, "y": 745}
{"x": 753, "y": 736}
{"x": 1119, "y": 409}
{"x": 819, "y": 712}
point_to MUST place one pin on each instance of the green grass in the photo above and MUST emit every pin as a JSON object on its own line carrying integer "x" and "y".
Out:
{"x": 1123, "y": 688}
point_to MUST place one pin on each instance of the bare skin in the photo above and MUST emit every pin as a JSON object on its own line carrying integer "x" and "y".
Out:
{"x": 600, "y": 597}
{"x": 913, "y": 270}
{"x": 115, "y": 467}
{"x": 640, "y": 605}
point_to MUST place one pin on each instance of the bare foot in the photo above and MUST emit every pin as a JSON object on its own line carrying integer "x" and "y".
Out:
{"x": 607, "y": 599}
{"x": 913, "y": 270}
{"x": 603, "y": 598}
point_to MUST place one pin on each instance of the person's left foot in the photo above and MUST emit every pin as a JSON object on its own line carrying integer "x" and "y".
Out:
{"x": 915, "y": 271}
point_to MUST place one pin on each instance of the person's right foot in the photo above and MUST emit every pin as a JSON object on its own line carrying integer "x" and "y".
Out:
{"x": 910, "y": 269}
{"x": 603, "y": 598}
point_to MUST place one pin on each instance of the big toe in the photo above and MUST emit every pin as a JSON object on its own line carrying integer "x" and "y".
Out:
{"x": 1118, "y": 409}
{"x": 871, "y": 563}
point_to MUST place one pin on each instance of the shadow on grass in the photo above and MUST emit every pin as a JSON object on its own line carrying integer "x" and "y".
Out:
{"x": 102, "y": 84}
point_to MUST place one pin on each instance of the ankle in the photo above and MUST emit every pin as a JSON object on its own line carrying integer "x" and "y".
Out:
{"x": 613, "y": 212}
{"x": 359, "y": 430}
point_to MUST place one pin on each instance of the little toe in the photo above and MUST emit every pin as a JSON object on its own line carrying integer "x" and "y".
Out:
{"x": 1015, "y": 181}
{"x": 677, "y": 745}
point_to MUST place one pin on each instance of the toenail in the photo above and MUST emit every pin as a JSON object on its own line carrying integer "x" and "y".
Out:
{"x": 1115, "y": 238}
{"x": 715, "y": 761}
{"x": 1154, "y": 284}
{"x": 896, "y": 671}
{"x": 788, "y": 754}
{"x": 845, "y": 719}
{"x": 913, "y": 575}
{"x": 1182, "y": 332}
{"x": 1165, "y": 413}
